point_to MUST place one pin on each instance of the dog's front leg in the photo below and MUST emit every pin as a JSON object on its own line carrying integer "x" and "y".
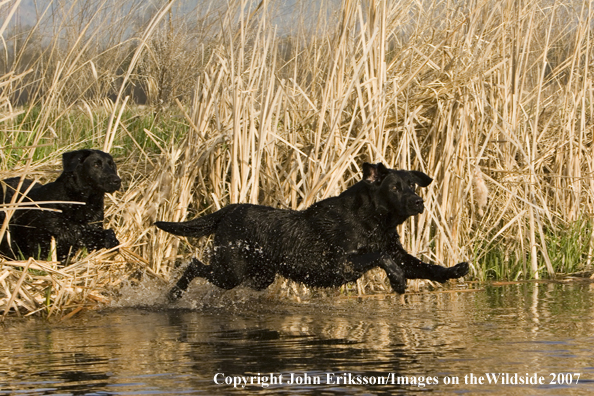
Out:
{"x": 109, "y": 239}
{"x": 93, "y": 237}
{"x": 415, "y": 268}
{"x": 364, "y": 262}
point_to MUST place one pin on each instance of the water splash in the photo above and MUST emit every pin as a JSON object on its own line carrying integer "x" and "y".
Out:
{"x": 202, "y": 296}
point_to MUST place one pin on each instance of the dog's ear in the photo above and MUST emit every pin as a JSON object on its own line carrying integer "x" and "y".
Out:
{"x": 374, "y": 173}
{"x": 369, "y": 171}
{"x": 420, "y": 178}
{"x": 72, "y": 159}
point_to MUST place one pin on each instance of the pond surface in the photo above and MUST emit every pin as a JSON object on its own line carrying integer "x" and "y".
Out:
{"x": 514, "y": 333}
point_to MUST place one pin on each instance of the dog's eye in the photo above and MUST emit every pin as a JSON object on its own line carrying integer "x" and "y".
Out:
{"x": 97, "y": 164}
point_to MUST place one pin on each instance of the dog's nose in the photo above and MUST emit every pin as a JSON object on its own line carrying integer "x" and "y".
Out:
{"x": 115, "y": 183}
{"x": 417, "y": 203}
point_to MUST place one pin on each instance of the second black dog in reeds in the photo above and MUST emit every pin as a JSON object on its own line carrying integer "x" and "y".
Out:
{"x": 76, "y": 198}
{"x": 332, "y": 242}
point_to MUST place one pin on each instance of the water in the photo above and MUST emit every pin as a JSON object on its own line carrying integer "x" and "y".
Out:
{"x": 532, "y": 330}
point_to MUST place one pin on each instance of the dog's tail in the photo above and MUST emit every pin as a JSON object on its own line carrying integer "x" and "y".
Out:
{"x": 199, "y": 227}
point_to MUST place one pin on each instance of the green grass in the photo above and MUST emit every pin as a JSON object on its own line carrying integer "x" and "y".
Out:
{"x": 569, "y": 247}
{"x": 78, "y": 129}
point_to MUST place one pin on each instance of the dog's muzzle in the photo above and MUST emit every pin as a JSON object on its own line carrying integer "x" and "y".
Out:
{"x": 113, "y": 184}
{"x": 417, "y": 205}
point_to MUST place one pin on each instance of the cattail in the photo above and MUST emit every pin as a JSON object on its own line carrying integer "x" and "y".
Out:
{"x": 131, "y": 212}
{"x": 165, "y": 182}
{"x": 481, "y": 192}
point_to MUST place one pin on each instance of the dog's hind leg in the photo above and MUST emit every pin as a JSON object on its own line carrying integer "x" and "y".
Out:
{"x": 196, "y": 269}
{"x": 261, "y": 281}
{"x": 217, "y": 274}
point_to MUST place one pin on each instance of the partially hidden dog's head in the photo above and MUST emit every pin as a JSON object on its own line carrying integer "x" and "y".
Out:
{"x": 93, "y": 169}
{"x": 396, "y": 189}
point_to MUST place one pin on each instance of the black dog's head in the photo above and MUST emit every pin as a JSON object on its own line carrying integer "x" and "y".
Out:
{"x": 396, "y": 189}
{"x": 93, "y": 168}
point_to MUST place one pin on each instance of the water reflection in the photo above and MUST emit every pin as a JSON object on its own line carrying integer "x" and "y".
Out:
{"x": 524, "y": 329}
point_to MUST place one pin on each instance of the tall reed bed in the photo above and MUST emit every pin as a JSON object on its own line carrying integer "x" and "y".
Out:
{"x": 251, "y": 101}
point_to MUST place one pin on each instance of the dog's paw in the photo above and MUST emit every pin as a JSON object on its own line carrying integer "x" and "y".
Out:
{"x": 174, "y": 294}
{"x": 458, "y": 270}
{"x": 400, "y": 287}
{"x": 398, "y": 283}
{"x": 395, "y": 276}
{"x": 109, "y": 239}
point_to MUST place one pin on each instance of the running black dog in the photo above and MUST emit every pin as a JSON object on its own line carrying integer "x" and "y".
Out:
{"x": 333, "y": 242}
{"x": 87, "y": 175}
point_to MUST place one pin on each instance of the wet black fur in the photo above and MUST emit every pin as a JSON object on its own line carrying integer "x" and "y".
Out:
{"x": 333, "y": 242}
{"x": 87, "y": 175}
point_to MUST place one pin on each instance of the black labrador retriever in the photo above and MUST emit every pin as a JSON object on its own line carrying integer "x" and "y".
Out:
{"x": 332, "y": 242}
{"x": 87, "y": 175}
